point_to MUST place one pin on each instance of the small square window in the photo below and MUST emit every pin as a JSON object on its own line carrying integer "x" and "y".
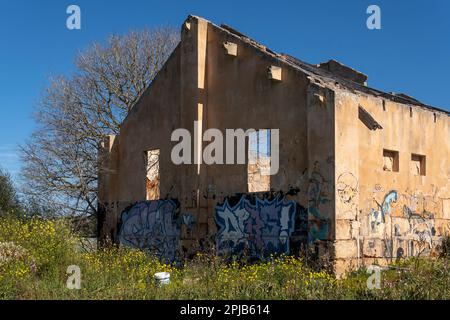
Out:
{"x": 390, "y": 160}
{"x": 418, "y": 165}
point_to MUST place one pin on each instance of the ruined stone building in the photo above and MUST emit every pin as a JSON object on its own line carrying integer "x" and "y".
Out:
{"x": 364, "y": 175}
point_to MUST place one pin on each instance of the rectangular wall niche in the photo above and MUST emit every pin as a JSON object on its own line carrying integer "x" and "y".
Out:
{"x": 390, "y": 160}
{"x": 258, "y": 168}
{"x": 152, "y": 174}
{"x": 418, "y": 165}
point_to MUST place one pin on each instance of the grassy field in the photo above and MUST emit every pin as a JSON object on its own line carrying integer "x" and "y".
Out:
{"x": 35, "y": 255}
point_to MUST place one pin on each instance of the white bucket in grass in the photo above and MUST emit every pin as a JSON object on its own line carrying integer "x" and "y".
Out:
{"x": 162, "y": 278}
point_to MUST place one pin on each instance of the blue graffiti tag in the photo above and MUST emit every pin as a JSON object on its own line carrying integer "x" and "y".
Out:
{"x": 392, "y": 196}
{"x": 378, "y": 217}
{"x": 258, "y": 230}
{"x": 154, "y": 226}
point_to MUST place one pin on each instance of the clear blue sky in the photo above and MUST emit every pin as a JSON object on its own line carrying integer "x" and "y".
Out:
{"x": 410, "y": 54}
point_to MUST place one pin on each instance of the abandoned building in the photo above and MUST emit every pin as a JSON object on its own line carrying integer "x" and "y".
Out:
{"x": 364, "y": 175}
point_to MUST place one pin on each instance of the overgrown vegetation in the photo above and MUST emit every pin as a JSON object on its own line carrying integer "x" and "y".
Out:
{"x": 35, "y": 255}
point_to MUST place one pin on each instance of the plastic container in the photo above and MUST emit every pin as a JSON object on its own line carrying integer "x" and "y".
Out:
{"x": 162, "y": 279}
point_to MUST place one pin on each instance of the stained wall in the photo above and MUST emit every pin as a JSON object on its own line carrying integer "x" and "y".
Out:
{"x": 384, "y": 215}
{"x": 350, "y": 209}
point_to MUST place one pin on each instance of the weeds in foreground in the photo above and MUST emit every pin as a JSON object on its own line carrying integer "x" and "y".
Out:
{"x": 35, "y": 255}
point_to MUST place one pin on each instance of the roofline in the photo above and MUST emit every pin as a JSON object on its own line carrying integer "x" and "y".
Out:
{"x": 326, "y": 75}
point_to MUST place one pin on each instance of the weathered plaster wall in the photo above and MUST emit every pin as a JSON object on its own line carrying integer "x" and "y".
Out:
{"x": 148, "y": 126}
{"x": 200, "y": 82}
{"x": 240, "y": 94}
{"x": 383, "y": 215}
{"x": 321, "y": 173}
{"x": 107, "y": 188}
{"x": 354, "y": 211}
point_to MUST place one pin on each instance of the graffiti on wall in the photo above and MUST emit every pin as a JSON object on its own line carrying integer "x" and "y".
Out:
{"x": 420, "y": 211}
{"x": 257, "y": 229}
{"x": 318, "y": 224}
{"x": 154, "y": 226}
{"x": 410, "y": 229}
{"x": 377, "y": 217}
{"x": 347, "y": 189}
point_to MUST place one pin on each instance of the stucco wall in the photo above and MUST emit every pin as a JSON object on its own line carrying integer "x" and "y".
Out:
{"x": 234, "y": 92}
{"x": 240, "y": 95}
{"x": 357, "y": 213}
{"x": 148, "y": 126}
{"x": 383, "y": 215}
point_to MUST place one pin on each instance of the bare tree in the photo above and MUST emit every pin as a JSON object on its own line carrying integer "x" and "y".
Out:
{"x": 75, "y": 113}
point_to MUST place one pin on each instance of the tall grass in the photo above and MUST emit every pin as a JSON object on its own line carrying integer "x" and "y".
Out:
{"x": 35, "y": 255}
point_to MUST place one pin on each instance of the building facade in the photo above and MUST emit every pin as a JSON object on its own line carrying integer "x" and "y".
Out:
{"x": 363, "y": 178}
